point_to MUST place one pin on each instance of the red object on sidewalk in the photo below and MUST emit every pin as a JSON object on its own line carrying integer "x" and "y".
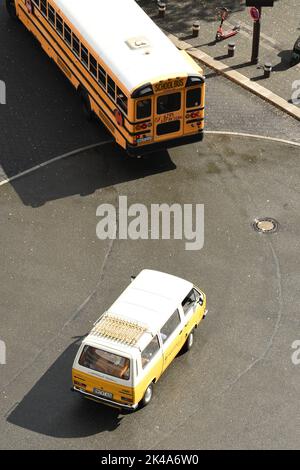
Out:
{"x": 254, "y": 13}
{"x": 221, "y": 35}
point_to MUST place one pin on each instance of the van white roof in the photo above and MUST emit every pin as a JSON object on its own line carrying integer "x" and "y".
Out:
{"x": 107, "y": 25}
{"x": 149, "y": 301}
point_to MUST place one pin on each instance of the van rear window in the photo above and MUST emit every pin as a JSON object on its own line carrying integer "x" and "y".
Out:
{"x": 105, "y": 362}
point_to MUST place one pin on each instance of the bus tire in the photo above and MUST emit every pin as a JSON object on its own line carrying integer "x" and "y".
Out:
{"x": 11, "y": 9}
{"x": 189, "y": 342}
{"x": 86, "y": 104}
{"x": 147, "y": 396}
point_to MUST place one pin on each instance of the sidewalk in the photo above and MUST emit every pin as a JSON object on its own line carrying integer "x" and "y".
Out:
{"x": 279, "y": 31}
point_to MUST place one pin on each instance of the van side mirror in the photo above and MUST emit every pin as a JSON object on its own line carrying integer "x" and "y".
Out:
{"x": 132, "y": 278}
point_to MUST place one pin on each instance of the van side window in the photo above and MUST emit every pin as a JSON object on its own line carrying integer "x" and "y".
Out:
{"x": 150, "y": 351}
{"x": 191, "y": 299}
{"x": 170, "y": 326}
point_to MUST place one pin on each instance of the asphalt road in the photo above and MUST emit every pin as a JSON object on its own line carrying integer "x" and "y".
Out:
{"x": 238, "y": 387}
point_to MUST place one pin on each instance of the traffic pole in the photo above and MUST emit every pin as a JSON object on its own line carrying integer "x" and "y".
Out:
{"x": 256, "y": 38}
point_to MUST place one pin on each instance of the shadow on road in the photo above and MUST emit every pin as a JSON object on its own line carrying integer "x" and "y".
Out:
{"x": 284, "y": 64}
{"x": 50, "y": 408}
{"x": 42, "y": 117}
{"x": 87, "y": 172}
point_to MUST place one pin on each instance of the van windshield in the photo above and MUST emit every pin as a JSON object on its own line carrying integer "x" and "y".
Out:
{"x": 105, "y": 362}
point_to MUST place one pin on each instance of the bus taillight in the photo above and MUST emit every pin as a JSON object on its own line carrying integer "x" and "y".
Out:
{"x": 141, "y": 127}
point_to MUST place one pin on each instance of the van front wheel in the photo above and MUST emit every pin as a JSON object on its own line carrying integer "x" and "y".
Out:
{"x": 189, "y": 342}
{"x": 147, "y": 396}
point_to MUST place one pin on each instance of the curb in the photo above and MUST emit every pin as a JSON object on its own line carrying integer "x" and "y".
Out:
{"x": 237, "y": 77}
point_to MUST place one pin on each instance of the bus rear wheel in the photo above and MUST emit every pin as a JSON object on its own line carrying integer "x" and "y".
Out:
{"x": 86, "y": 104}
{"x": 11, "y": 8}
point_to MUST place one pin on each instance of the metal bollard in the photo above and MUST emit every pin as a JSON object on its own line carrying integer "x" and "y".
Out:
{"x": 267, "y": 69}
{"x": 162, "y": 9}
{"x": 196, "y": 29}
{"x": 231, "y": 49}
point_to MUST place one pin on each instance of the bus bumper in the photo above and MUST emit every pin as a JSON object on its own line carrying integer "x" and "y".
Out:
{"x": 135, "y": 150}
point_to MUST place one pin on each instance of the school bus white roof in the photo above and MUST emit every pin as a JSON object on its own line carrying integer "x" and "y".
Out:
{"x": 109, "y": 26}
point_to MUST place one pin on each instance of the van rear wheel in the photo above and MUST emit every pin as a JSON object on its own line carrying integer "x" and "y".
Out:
{"x": 147, "y": 396}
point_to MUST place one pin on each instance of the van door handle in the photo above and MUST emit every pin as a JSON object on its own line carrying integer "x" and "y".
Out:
{"x": 181, "y": 332}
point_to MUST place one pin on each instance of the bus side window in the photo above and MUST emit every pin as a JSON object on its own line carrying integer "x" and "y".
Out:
{"x": 68, "y": 35}
{"x": 76, "y": 47}
{"x": 111, "y": 88}
{"x": 93, "y": 66}
{"x": 101, "y": 76}
{"x": 44, "y": 7}
{"x": 150, "y": 351}
{"x": 51, "y": 15}
{"x": 59, "y": 24}
{"x": 122, "y": 100}
{"x": 84, "y": 55}
{"x": 143, "y": 108}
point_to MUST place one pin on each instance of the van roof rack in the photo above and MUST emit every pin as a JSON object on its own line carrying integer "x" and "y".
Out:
{"x": 118, "y": 329}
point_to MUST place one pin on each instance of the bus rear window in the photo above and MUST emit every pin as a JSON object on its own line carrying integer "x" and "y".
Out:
{"x": 168, "y": 103}
{"x": 105, "y": 362}
{"x": 193, "y": 98}
{"x": 143, "y": 109}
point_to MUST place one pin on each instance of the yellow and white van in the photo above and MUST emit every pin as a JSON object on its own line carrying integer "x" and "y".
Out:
{"x": 132, "y": 344}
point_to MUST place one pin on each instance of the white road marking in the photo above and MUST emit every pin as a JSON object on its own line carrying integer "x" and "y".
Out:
{"x": 255, "y": 136}
{"x": 53, "y": 160}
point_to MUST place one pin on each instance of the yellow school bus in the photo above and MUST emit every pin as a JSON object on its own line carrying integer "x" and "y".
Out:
{"x": 147, "y": 93}
{"x": 133, "y": 343}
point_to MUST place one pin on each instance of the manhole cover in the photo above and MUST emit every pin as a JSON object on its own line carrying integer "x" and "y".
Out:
{"x": 265, "y": 225}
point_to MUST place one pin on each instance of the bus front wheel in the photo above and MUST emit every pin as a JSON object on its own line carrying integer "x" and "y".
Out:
{"x": 86, "y": 104}
{"x": 11, "y": 8}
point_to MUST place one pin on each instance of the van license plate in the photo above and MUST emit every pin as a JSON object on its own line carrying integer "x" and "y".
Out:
{"x": 102, "y": 393}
